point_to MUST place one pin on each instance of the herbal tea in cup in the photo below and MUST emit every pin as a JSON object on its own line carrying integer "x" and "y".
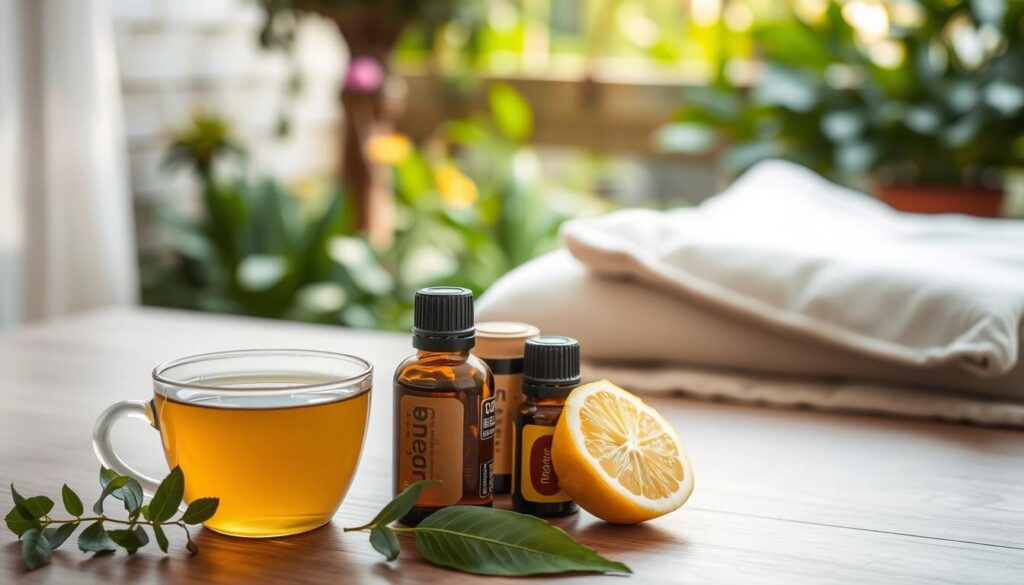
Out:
{"x": 275, "y": 434}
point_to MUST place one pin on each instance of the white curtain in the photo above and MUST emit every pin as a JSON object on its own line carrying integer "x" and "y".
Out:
{"x": 66, "y": 240}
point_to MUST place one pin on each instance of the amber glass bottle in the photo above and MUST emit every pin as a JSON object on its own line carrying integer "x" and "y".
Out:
{"x": 444, "y": 407}
{"x": 551, "y": 369}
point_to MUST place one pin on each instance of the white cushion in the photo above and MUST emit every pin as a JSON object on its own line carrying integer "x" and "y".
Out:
{"x": 787, "y": 250}
{"x": 619, "y": 321}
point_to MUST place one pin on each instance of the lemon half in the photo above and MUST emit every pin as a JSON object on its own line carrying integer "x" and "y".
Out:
{"x": 617, "y": 457}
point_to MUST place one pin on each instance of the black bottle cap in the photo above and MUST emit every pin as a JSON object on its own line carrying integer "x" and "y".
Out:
{"x": 551, "y": 366}
{"x": 443, "y": 319}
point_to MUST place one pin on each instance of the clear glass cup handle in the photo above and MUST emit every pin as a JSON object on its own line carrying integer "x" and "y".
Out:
{"x": 105, "y": 450}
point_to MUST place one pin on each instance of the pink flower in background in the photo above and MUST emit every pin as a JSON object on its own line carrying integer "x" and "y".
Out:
{"x": 364, "y": 75}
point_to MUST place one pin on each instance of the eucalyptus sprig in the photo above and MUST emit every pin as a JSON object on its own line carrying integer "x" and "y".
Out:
{"x": 41, "y": 534}
{"x": 484, "y": 541}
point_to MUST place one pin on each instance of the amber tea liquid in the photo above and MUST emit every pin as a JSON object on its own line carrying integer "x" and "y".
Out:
{"x": 280, "y": 464}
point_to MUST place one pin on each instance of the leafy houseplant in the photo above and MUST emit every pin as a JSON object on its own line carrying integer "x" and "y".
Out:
{"x": 469, "y": 207}
{"x": 925, "y": 97}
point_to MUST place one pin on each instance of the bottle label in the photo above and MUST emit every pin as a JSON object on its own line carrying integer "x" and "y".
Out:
{"x": 487, "y": 426}
{"x": 430, "y": 447}
{"x": 486, "y": 479}
{"x": 487, "y": 418}
{"x": 508, "y": 394}
{"x": 540, "y": 482}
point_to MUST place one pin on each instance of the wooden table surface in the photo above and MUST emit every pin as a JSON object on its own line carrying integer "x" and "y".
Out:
{"x": 781, "y": 496}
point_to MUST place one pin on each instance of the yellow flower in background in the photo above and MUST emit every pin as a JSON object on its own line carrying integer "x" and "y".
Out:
{"x": 307, "y": 188}
{"x": 389, "y": 149}
{"x": 457, "y": 190}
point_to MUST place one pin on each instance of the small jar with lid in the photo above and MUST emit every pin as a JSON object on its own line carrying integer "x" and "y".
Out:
{"x": 551, "y": 370}
{"x": 500, "y": 344}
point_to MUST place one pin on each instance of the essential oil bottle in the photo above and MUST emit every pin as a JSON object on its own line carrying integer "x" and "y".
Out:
{"x": 551, "y": 369}
{"x": 501, "y": 344}
{"x": 444, "y": 407}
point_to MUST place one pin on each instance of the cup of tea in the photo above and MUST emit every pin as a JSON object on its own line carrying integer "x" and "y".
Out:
{"x": 275, "y": 434}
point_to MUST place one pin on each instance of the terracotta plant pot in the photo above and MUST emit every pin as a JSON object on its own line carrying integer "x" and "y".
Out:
{"x": 940, "y": 199}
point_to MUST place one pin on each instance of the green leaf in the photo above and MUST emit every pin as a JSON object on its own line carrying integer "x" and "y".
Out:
{"x": 200, "y": 510}
{"x": 685, "y": 137}
{"x": 385, "y": 542}
{"x": 34, "y": 507}
{"x": 110, "y": 487}
{"x": 1006, "y": 98}
{"x": 125, "y": 539}
{"x": 57, "y": 535}
{"x": 131, "y": 493}
{"x": 260, "y": 272}
{"x": 191, "y": 547}
{"x": 72, "y": 503}
{"x": 95, "y": 539}
{"x": 130, "y": 539}
{"x": 792, "y": 44}
{"x": 107, "y": 476}
{"x": 35, "y": 549}
{"x": 168, "y": 496}
{"x": 988, "y": 11}
{"x": 467, "y": 131}
{"x": 486, "y": 541}
{"x": 399, "y": 506}
{"x": 842, "y": 125}
{"x": 39, "y": 505}
{"x": 19, "y": 500}
{"x": 786, "y": 87}
{"x": 121, "y": 487}
{"x": 18, "y": 523}
{"x": 161, "y": 538}
{"x": 414, "y": 179}
{"x": 141, "y": 535}
{"x": 512, "y": 113}
{"x": 742, "y": 156}
{"x": 144, "y": 510}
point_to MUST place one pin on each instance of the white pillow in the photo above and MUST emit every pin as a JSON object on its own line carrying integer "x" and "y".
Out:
{"x": 618, "y": 321}
{"x": 785, "y": 248}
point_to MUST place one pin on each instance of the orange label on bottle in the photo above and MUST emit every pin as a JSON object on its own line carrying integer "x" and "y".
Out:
{"x": 430, "y": 447}
{"x": 540, "y": 482}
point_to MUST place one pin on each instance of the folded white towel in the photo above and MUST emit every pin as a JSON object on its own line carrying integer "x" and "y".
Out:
{"x": 786, "y": 249}
{"x": 834, "y": 394}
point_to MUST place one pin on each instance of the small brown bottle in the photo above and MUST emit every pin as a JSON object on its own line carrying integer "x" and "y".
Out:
{"x": 551, "y": 369}
{"x": 444, "y": 407}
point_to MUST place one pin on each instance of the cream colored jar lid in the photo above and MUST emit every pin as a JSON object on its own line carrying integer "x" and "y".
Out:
{"x": 502, "y": 339}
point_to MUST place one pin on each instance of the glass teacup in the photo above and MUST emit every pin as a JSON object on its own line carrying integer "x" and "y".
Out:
{"x": 275, "y": 434}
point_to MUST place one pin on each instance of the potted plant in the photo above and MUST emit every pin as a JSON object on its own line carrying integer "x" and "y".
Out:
{"x": 470, "y": 205}
{"x": 923, "y": 100}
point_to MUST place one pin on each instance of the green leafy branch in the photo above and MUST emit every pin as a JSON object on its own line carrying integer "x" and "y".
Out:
{"x": 41, "y": 534}
{"x": 484, "y": 541}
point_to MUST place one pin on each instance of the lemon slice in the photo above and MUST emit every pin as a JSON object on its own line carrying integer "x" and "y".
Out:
{"x": 617, "y": 457}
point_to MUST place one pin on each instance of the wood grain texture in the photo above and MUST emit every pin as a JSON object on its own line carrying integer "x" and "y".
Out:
{"x": 781, "y": 496}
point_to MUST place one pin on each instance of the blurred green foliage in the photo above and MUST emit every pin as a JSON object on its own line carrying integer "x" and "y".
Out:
{"x": 470, "y": 206}
{"x": 281, "y": 17}
{"x": 904, "y": 91}
{"x": 663, "y": 38}
{"x": 371, "y": 28}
